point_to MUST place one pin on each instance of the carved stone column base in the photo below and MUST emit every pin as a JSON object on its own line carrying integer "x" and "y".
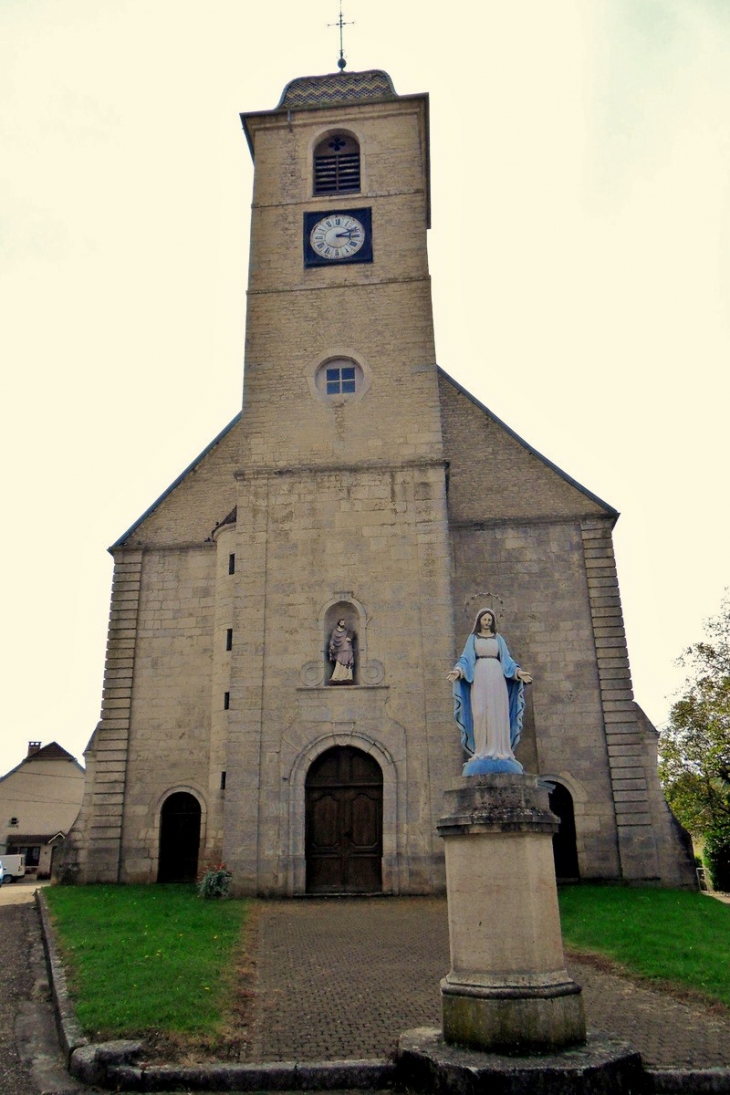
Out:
{"x": 513, "y": 1017}
{"x": 507, "y": 989}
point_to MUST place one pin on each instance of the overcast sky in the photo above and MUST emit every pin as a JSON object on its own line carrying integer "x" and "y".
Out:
{"x": 580, "y": 256}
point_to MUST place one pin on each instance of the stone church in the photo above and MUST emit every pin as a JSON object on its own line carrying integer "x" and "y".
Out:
{"x": 360, "y": 493}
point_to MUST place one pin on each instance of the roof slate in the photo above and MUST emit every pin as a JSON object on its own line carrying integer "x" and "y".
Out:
{"x": 52, "y": 751}
{"x": 336, "y": 88}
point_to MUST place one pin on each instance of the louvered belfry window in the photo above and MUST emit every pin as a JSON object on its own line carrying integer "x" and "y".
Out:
{"x": 337, "y": 165}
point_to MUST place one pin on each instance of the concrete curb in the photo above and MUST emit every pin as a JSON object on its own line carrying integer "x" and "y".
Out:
{"x": 114, "y": 1064}
{"x": 70, "y": 1033}
{"x": 687, "y": 1081}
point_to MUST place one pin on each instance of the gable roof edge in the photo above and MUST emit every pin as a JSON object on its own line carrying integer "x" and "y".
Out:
{"x": 176, "y": 483}
{"x": 24, "y": 761}
{"x": 614, "y": 513}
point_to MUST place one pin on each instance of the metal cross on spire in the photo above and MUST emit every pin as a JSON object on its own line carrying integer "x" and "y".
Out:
{"x": 341, "y": 23}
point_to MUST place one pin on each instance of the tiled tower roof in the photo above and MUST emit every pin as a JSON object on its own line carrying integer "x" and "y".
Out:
{"x": 337, "y": 87}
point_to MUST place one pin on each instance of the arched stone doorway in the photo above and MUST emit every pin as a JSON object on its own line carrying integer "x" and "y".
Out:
{"x": 179, "y": 838}
{"x": 565, "y": 849}
{"x": 344, "y": 823}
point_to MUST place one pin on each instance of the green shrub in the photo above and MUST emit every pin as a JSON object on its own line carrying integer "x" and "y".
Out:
{"x": 717, "y": 855}
{"x": 216, "y": 882}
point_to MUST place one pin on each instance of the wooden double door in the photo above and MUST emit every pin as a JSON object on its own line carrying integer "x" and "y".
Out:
{"x": 344, "y": 823}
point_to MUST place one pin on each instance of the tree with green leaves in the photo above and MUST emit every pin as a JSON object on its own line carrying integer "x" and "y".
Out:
{"x": 695, "y": 746}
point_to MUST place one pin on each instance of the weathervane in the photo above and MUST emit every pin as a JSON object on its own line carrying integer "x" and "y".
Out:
{"x": 340, "y": 23}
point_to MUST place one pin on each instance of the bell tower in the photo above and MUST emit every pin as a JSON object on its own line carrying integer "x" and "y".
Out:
{"x": 339, "y": 271}
{"x": 342, "y": 483}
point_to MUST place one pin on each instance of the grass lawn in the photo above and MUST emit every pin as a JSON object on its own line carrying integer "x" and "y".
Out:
{"x": 151, "y": 959}
{"x": 160, "y": 963}
{"x": 670, "y": 936}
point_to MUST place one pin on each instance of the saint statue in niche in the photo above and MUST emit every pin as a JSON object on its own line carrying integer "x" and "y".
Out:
{"x": 341, "y": 655}
{"x": 489, "y": 699}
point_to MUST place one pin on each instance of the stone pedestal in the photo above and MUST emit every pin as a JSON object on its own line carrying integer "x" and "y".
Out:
{"x": 507, "y": 989}
{"x": 600, "y": 1066}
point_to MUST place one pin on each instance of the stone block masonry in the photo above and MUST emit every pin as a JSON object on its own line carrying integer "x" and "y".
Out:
{"x": 95, "y": 842}
{"x": 402, "y": 504}
{"x": 627, "y": 767}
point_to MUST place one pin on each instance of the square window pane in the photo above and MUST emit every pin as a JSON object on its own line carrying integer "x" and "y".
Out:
{"x": 333, "y": 374}
{"x": 348, "y": 374}
{"x": 348, "y": 385}
{"x": 333, "y": 387}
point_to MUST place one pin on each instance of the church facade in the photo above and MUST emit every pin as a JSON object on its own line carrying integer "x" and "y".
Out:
{"x": 283, "y": 618}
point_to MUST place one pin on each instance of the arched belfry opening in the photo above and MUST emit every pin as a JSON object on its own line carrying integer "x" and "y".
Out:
{"x": 179, "y": 838}
{"x": 565, "y": 850}
{"x": 344, "y": 823}
{"x": 337, "y": 165}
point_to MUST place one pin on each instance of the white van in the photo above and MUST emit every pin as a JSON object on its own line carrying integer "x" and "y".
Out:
{"x": 14, "y": 866}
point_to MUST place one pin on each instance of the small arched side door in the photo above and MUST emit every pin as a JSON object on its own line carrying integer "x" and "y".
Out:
{"x": 179, "y": 838}
{"x": 565, "y": 849}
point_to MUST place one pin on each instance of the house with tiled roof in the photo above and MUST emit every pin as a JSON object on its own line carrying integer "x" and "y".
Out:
{"x": 39, "y": 801}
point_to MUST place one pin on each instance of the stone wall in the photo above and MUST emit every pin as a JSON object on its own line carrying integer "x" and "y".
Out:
{"x": 376, "y": 539}
{"x": 170, "y": 729}
{"x": 537, "y": 580}
{"x": 541, "y": 554}
{"x": 157, "y": 595}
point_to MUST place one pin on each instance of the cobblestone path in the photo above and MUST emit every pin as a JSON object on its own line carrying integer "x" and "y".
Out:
{"x": 342, "y": 978}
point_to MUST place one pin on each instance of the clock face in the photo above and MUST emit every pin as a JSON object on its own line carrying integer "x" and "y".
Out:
{"x": 338, "y": 236}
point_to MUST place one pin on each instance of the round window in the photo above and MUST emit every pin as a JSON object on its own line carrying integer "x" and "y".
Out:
{"x": 340, "y": 376}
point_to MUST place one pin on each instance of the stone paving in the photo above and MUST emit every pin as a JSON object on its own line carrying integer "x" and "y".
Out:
{"x": 30, "y": 1056}
{"x": 17, "y": 982}
{"x": 342, "y": 978}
